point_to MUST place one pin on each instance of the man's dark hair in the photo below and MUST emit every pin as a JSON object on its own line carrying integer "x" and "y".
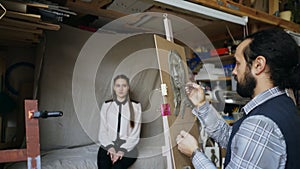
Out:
{"x": 281, "y": 53}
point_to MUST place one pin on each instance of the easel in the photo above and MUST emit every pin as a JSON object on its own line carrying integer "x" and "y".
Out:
{"x": 172, "y": 124}
{"x": 32, "y": 151}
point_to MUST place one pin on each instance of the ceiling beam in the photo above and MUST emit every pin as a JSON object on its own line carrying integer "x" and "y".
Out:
{"x": 94, "y": 8}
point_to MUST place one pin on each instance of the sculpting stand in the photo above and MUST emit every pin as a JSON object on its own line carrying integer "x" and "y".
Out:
{"x": 32, "y": 151}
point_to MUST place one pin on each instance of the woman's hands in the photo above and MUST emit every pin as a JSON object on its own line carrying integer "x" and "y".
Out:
{"x": 111, "y": 152}
{"x": 195, "y": 93}
{"x": 115, "y": 156}
{"x": 118, "y": 156}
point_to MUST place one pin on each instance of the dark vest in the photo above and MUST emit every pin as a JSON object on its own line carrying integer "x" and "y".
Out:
{"x": 283, "y": 112}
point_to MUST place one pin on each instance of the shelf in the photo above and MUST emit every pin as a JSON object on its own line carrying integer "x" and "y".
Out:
{"x": 215, "y": 59}
{"x": 242, "y": 10}
{"x": 21, "y": 25}
{"x": 224, "y": 78}
{"x": 219, "y": 62}
{"x": 217, "y": 79}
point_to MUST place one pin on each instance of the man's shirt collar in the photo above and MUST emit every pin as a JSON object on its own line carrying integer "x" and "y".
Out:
{"x": 261, "y": 98}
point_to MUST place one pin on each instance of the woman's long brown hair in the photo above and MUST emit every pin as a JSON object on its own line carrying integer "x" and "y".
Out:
{"x": 128, "y": 98}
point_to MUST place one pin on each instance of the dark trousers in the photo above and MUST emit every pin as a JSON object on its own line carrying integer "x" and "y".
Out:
{"x": 104, "y": 161}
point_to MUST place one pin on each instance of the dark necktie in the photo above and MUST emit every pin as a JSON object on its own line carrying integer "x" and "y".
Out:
{"x": 118, "y": 142}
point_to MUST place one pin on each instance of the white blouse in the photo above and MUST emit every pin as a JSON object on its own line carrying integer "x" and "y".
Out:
{"x": 109, "y": 124}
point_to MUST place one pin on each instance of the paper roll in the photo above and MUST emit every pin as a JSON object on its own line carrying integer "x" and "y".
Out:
{"x": 286, "y": 15}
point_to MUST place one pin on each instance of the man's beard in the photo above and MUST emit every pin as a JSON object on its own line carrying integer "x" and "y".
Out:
{"x": 246, "y": 87}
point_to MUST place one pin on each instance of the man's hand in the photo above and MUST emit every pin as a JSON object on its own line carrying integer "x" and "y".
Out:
{"x": 187, "y": 144}
{"x": 195, "y": 93}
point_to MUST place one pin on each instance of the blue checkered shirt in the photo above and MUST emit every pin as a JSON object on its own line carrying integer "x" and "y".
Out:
{"x": 258, "y": 143}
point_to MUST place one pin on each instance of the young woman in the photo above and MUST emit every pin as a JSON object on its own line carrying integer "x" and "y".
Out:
{"x": 119, "y": 128}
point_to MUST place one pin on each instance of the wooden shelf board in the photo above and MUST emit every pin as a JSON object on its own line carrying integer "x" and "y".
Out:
{"x": 218, "y": 79}
{"x": 42, "y": 25}
{"x": 94, "y": 8}
{"x": 13, "y": 155}
{"x": 95, "y": 4}
{"x": 35, "y": 31}
{"x": 218, "y": 58}
{"x": 22, "y": 26}
{"x": 9, "y": 42}
{"x": 23, "y": 16}
{"x": 19, "y": 36}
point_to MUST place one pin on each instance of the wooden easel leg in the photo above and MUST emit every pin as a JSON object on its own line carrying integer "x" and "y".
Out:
{"x": 32, "y": 135}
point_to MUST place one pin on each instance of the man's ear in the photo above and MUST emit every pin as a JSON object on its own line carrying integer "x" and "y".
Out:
{"x": 259, "y": 65}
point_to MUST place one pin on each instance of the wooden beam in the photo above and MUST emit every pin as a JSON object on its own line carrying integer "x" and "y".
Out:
{"x": 32, "y": 152}
{"x": 94, "y": 4}
{"x": 21, "y": 6}
{"x": 14, "y": 6}
{"x": 13, "y": 155}
{"x": 42, "y": 25}
{"x": 89, "y": 8}
{"x": 34, "y": 31}
{"x": 32, "y": 134}
{"x": 7, "y": 43}
{"x": 21, "y": 26}
{"x": 37, "y": 5}
{"x": 19, "y": 36}
{"x": 23, "y": 16}
{"x": 241, "y": 10}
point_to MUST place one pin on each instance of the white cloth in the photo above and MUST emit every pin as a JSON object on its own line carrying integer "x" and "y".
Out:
{"x": 109, "y": 124}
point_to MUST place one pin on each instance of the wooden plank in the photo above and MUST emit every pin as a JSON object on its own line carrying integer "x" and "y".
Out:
{"x": 225, "y": 59}
{"x": 32, "y": 152}
{"x": 19, "y": 36}
{"x": 34, "y": 31}
{"x": 13, "y": 155}
{"x": 37, "y": 5}
{"x": 49, "y": 26}
{"x": 23, "y": 16}
{"x": 94, "y": 4}
{"x": 42, "y": 25}
{"x": 32, "y": 134}
{"x": 5, "y": 23}
{"x": 14, "y": 6}
{"x": 21, "y": 6}
{"x": 241, "y": 10}
{"x": 176, "y": 123}
{"x": 130, "y": 6}
{"x": 8, "y": 41}
{"x": 89, "y": 8}
{"x": 15, "y": 43}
